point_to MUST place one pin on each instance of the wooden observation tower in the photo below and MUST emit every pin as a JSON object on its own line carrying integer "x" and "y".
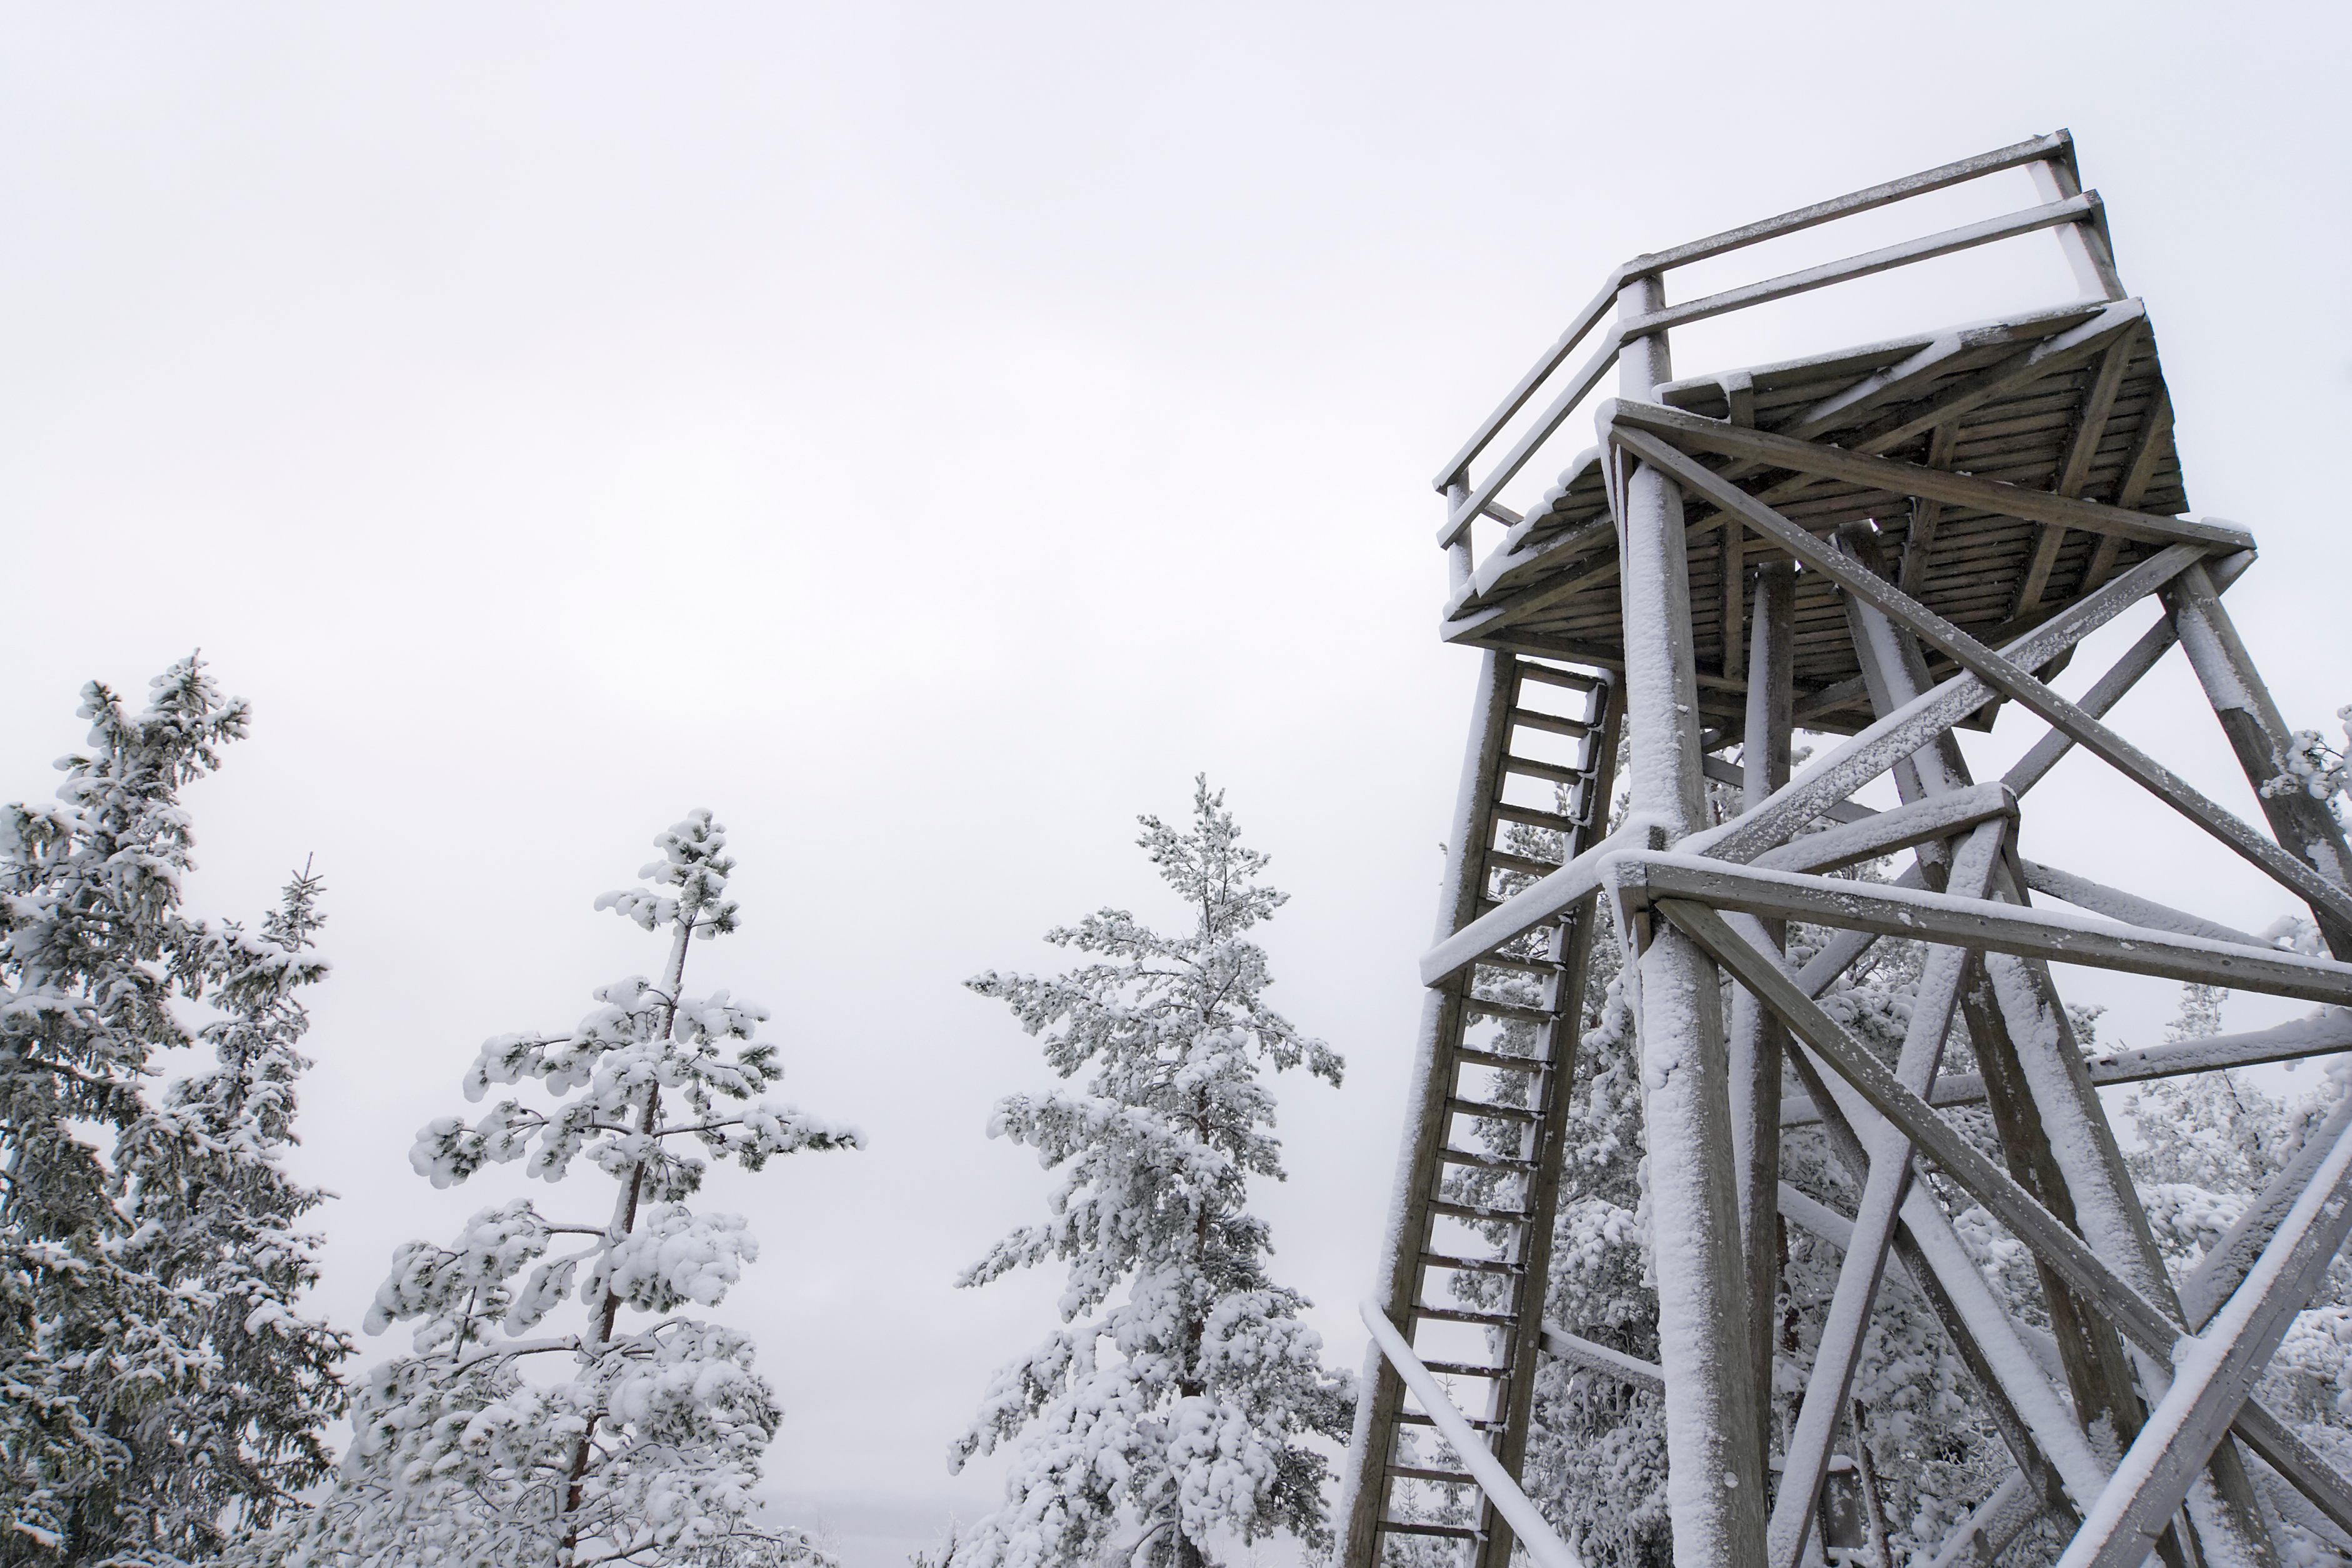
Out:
{"x": 1890, "y": 543}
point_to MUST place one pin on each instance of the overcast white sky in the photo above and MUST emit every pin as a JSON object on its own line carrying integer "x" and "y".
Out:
{"x": 928, "y": 436}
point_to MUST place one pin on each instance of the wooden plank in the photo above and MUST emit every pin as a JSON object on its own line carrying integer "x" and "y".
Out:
{"x": 2091, "y": 424}
{"x": 1926, "y": 516}
{"x": 1563, "y": 1345}
{"x": 1898, "y": 478}
{"x": 1641, "y": 877}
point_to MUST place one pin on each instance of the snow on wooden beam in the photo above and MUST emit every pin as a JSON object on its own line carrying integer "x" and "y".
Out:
{"x": 1563, "y": 1345}
{"x": 1642, "y": 877}
{"x": 1870, "y": 753}
{"x": 2212, "y": 1380}
{"x": 2320, "y": 1034}
{"x": 2066, "y": 1253}
{"x": 1535, "y": 1533}
{"x": 1522, "y": 911}
{"x": 2128, "y": 907}
{"x": 1900, "y": 478}
{"x": 2110, "y": 689}
{"x": 1937, "y": 816}
{"x": 2010, "y": 679}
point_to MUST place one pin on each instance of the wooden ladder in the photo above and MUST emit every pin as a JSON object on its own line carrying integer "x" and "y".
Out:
{"x": 1472, "y": 1252}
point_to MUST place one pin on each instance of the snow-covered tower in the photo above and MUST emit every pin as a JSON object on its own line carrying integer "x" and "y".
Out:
{"x": 1892, "y": 544}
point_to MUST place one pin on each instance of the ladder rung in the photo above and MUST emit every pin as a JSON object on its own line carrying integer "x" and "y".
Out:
{"x": 1464, "y": 1316}
{"x": 1452, "y": 1531}
{"x": 1472, "y": 1265}
{"x": 1535, "y": 818}
{"x": 1416, "y": 1473}
{"x": 1478, "y": 1158}
{"x": 1550, "y": 772}
{"x": 1542, "y": 967}
{"x": 1494, "y": 1113}
{"x": 1550, "y": 721}
{"x": 1477, "y": 1211}
{"x": 1552, "y": 676}
{"x": 1497, "y": 1059}
{"x": 1503, "y": 860}
{"x": 1416, "y": 1418}
{"x": 1511, "y": 1010}
{"x": 1467, "y": 1369}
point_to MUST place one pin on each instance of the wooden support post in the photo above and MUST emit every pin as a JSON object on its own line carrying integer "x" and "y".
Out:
{"x": 1363, "y": 1484}
{"x": 1758, "y": 1040}
{"x": 1712, "y": 1432}
{"x": 1886, "y": 1186}
{"x": 2026, "y": 1041}
{"x": 2306, "y": 828}
{"x": 2006, "y": 677}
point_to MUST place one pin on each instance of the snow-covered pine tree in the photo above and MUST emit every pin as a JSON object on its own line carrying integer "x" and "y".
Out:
{"x": 227, "y": 1440}
{"x": 93, "y": 947}
{"x": 647, "y": 1448}
{"x": 1181, "y": 1413}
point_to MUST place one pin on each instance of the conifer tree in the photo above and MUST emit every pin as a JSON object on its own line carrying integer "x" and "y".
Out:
{"x": 646, "y": 1447}
{"x": 1177, "y": 1414}
{"x": 92, "y": 948}
{"x": 227, "y": 1441}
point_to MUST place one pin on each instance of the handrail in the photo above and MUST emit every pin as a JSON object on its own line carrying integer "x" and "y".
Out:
{"x": 1477, "y": 499}
{"x": 2058, "y": 144}
{"x": 1526, "y": 1521}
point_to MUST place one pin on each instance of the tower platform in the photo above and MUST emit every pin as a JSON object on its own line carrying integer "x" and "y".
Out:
{"x": 2068, "y": 403}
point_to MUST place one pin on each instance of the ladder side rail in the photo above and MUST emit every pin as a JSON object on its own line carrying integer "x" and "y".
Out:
{"x": 1571, "y": 947}
{"x": 1363, "y": 1495}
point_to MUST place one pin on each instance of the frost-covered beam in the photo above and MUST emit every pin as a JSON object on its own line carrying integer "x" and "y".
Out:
{"x": 2318, "y": 1035}
{"x": 1823, "y": 1408}
{"x": 2121, "y": 677}
{"x": 1939, "y": 817}
{"x": 2212, "y": 1379}
{"x": 1565, "y": 1346}
{"x": 1659, "y": 423}
{"x": 1534, "y": 1532}
{"x": 1522, "y": 911}
{"x": 1864, "y": 757}
{"x": 2036, "y": 1419}
{"x": 1642, "y": 877}
{"x": 2128, "y": 907}
{"x": 2009, "y": 678}
{"x": 1958, "y": 1158}
{"x": 2258, "y": 735}
{"x": 2223, "y": 1268}
{"x": 2084, "y": 208}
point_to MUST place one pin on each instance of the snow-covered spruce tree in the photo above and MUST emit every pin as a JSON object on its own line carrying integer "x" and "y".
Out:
{"x": 228, "y": 1442}
{"x": 1178, "y": 1414}
{"x": 647, "y": 1447}
{"x": 99, "y": 1359}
